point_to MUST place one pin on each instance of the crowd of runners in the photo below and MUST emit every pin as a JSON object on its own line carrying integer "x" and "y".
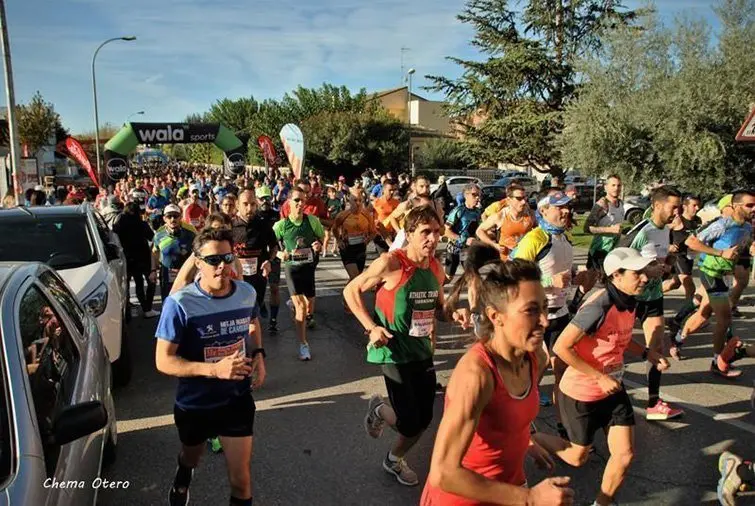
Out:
{"x": 530, "y": 308}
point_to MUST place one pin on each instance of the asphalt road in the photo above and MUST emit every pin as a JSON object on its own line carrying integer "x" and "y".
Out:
{"x": 310, "y": 447}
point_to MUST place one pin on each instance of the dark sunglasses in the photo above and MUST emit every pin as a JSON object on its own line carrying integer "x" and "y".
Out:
{"x": 297, "y": 200}
{"x": 520, "y": 198}
{"x": 172, "y": 216}
{"x": 215, "y": 260}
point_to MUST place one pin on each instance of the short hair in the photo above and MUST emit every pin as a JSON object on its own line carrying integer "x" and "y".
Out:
{"x": 420, "y": 176}
{"x": 391, "y": 182}
{"x": 222, "y": 217}
{"x": 692, "y": 196}
{"x": 613, "y": 176}
{"x": 470, "y": 187}
{"x": 510, "y": 189}
{"x": 663, "y": 193}
{"x": 211, "y": 234}
{"x": 739, "y": 195}
{"x": 420, "y": 215}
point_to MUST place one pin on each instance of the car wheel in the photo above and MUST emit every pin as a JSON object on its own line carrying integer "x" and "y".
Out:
{"x": 122, "y": 368}
{"x": 634, "y": 216}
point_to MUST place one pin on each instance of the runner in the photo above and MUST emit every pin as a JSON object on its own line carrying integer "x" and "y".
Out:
{"x": 652, "y": 239}
{"x": 512, "y": 222}
{"x": 409, "y": 284}
{"x": 492, "y": 398}
{"x": 300, "y": 235}
{"x": 228, "y": 205}
{"x": 155, "y": 205}
{"x": 421, "y": 195}
{"x": 742, "y": 275}
{"x": 461, "y": 226}
{"x": 270, "y": 215}
{"x": 384, "y": 207}
{"x": 688, "y": 223}
{"x": 592, "y": 393}
{"x": 195, "y": 213}
{"x": 737, "y": 475}
{"x": 170, "y": 248}
{"x": 604, "y": 222}
{"x": 353, "y": 229}
{"x": 204, "y": 338}
{"x": 334, "y": 205}
{"x": 720, "y": 243}
{"x": 549, "y": 247}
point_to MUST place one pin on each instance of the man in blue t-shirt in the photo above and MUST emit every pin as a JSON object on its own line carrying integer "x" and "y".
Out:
{"x": 209, "y": 336}
{"x": 461, "y": 227}
{"x": 155, "y": 205}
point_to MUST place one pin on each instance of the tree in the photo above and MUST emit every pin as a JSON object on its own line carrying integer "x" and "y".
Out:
{"x": 37, "y": 122}
{"x": 442, "y": 155}
{"x": 510, "y": 105}
{"x": 666, "y": 103}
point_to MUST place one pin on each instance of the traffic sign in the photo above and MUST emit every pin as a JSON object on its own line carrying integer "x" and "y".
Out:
{"x": 747, "y": 132}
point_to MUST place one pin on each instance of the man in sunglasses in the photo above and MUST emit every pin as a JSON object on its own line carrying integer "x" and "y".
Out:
{"x": 210, "y": 338}
{"x": 461, "y": 226}
{"x": 270, "y": 216}
{"x": 720, "y": 243}
{"x": 170, "y": 248}
{"x": 300, "y": 237}
{"x": 512, "y": 222}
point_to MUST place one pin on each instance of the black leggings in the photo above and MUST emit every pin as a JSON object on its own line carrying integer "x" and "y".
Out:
{"x": 139, "y": 276}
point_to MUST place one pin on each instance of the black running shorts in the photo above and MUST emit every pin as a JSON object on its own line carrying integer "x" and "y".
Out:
{"x": 745, "y": 261}
{"x": 259, "y": 282}
{"x": 583, "y": 419}
{"x": 683, "y": 265}
{"x": 354, "y": 254}
{"x": 411, "y": 389}
{"x": 714, "y": 287}
{"x": 300, "y": 279}
{"x": 235, "y": 419}
{"x": 649, "y": 309}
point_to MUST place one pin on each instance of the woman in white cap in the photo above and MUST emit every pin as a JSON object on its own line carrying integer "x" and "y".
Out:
{"x": 592, "y": 395}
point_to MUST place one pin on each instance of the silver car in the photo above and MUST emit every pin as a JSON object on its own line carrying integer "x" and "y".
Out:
{"x": 57, "y": 417}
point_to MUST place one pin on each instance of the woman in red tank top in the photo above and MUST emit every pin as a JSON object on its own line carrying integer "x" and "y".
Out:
{"x": 492, "y": 396}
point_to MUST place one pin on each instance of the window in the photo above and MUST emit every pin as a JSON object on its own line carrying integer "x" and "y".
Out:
{"x": 6, "y": 437}
{"x": 62, "y": 242}
{"x": 61, "y": 294}
{"x": 51, "y": 363}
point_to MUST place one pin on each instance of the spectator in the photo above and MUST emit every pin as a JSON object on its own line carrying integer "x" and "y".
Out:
{"x": 135, "y": 235}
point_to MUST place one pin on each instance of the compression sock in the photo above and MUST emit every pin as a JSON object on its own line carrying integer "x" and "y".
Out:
{"x": 273, "y": 312}
{"x": 654, "y": 386}
{"x": 183, "y": 476}
{"x": 235, "y": 501}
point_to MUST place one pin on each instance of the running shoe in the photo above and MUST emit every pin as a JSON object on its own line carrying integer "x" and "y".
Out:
{"x": 179, "y": 496}
{"x": 729, "y": 483}
{"x": 545, "y": 399}
{"x": 304, "y": 353}
{"x": 675, "y": 350}
{"x": 736, "y": 313}
{"x": 151, "y": 313}
{"x": 401, "y": 470}
{"x": 290, "y": 305}
{"x": 730, "y": 372}
{"x": 373, "y": 422}
{"x": 728, "y": 354}
{"x": 273, "y": 326}
{"x": 310, "y": 321}
{"x": 662, "y": 411}
{"x": 215, "y": 445}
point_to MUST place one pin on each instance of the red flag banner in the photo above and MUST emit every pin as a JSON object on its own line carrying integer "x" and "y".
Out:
{"x": 268, "y": 151}
{"x": 79, "y": 155}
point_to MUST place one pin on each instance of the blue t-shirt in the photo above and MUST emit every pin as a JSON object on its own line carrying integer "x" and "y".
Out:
{"x": 464, "y": 222}
{"x": 208, "y": 329}
{"x": 377, "y": 191}
{"x": 174, "y": 248}
{"x": 157, "y": 202}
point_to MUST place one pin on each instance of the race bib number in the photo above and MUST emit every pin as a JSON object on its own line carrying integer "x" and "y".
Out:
{"x": 422, "y": 323}
{"x": 249, "y": 265}
{"x": 356, "y": 239}
{"x": 195, "y": 223}
{"x": 303, "y": 256}
{"x": 218, "y": 353}
{"x": 172, "y": 275}
{"x": 616, "y": 371}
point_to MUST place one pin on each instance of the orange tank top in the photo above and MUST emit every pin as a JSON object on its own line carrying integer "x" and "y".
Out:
{"x": 512, "y": 230}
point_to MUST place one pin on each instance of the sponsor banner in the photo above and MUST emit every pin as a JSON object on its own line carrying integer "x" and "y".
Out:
{"x": 115, "y": 165}
{"x": 236, "y": 164}
{"x": 268, "y": 151}
{"x": 175, "y": 133}
{"x": 27, "y": 176}
{"x": 76, "y": 151}
{"x": 293, "y": 143}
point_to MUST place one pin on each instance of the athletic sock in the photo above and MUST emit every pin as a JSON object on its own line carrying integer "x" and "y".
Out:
{"x": 183, "y": 475}
{"x": 679, "y": 338}
{"x": 235, "y": 501}
{"x": 746, "y": 472}
{"x": 392, "y": 457}
{"x": 273, "y": 312}
{"x": 654, "y": 386}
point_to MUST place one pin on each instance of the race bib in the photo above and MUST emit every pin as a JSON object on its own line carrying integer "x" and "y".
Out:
{"x": 303, "y": 256}
{"x": 422, "y": 323}
{"x": 249, "y": 266}
{"x": 172, "y": 275}
{"x": 355, "y": 239}
{"x": 218, "y": 353}
{"x": 616, "y": 371}
{"x": 194, "y": 223}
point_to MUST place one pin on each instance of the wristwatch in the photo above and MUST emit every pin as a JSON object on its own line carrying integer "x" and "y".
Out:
{"x": 259, "y": 351}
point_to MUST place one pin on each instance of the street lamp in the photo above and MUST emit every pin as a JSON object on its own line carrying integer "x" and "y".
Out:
{"x": 409, "y": 74}
{"x": 94, "y": 92}
{"x": 134, "y": 114}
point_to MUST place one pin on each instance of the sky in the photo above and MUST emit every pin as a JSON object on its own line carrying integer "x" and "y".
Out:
{"x": 190, "y": 53}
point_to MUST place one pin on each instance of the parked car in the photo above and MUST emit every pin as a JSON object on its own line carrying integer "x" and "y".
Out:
{"x": 57, "y": 416}
{"x": 76, "y": 242}
{"x": 493, "y": 193}
{"x": 456, "y": 184}
{"x": 531, "y": 186}
{"x": 634, "y": 207}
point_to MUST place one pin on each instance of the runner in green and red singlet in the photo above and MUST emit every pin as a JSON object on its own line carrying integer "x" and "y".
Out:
{"x": 402, "y": 335}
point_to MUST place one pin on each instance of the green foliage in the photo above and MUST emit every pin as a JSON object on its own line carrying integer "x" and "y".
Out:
{"x": 442, "y": 155}
{"x": 666, "y": 103}
{"x": 37, "y": 122}
{"x": 520, "y": 90}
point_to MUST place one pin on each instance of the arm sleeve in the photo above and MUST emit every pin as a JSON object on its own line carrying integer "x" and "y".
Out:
{"x": 591, "y": 315}
{"x": 172, "y": 324}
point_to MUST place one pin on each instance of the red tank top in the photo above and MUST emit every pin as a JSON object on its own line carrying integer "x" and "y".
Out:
{"x": 500, "y": 442}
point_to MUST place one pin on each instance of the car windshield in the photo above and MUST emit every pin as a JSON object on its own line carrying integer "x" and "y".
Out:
{"x": 62, "y": 242}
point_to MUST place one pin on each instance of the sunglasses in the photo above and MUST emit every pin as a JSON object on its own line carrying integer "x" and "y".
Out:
{"x": 297, "y": 200}
{"x": 172, "y": 216}
{"x": 215, "y": 260}
{"x": 519, "y": 198}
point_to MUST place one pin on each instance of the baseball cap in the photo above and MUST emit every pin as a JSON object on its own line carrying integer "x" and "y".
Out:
{"x": 725, "y": 201}
{"x": 557, "y": 199}
{"x": 625, "y": 258}
{"x": 172, "y": 208}
{"x": 263, "y": 192}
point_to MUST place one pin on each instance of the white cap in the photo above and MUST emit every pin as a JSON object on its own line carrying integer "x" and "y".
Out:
{"x": 625, "y": 258}
{"x": 172, "y": 208}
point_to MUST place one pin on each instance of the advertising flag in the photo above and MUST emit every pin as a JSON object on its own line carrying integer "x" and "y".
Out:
{"x": 79, "y": 155}
{"x": 293, "y": 143}
{"x": 268, "y": 151}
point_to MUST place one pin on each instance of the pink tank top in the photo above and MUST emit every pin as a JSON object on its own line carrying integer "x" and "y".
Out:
{"x": 500, "y": 442}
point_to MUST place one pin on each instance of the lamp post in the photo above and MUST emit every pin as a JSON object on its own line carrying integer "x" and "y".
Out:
{"x": 94, "y": 93}
{"x": 10, "y": 95}
{"x": 409, "y": 75}
{"x": 138, "y": 113}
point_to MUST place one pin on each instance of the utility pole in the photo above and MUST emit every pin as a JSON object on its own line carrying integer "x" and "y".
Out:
{"x": 404, "y": 50}
{"x": 10, "y": 95}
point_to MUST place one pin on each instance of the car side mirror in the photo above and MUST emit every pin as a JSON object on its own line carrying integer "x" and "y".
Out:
{"x": 79, "y": 420}
{"x": 111, "y": 252}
